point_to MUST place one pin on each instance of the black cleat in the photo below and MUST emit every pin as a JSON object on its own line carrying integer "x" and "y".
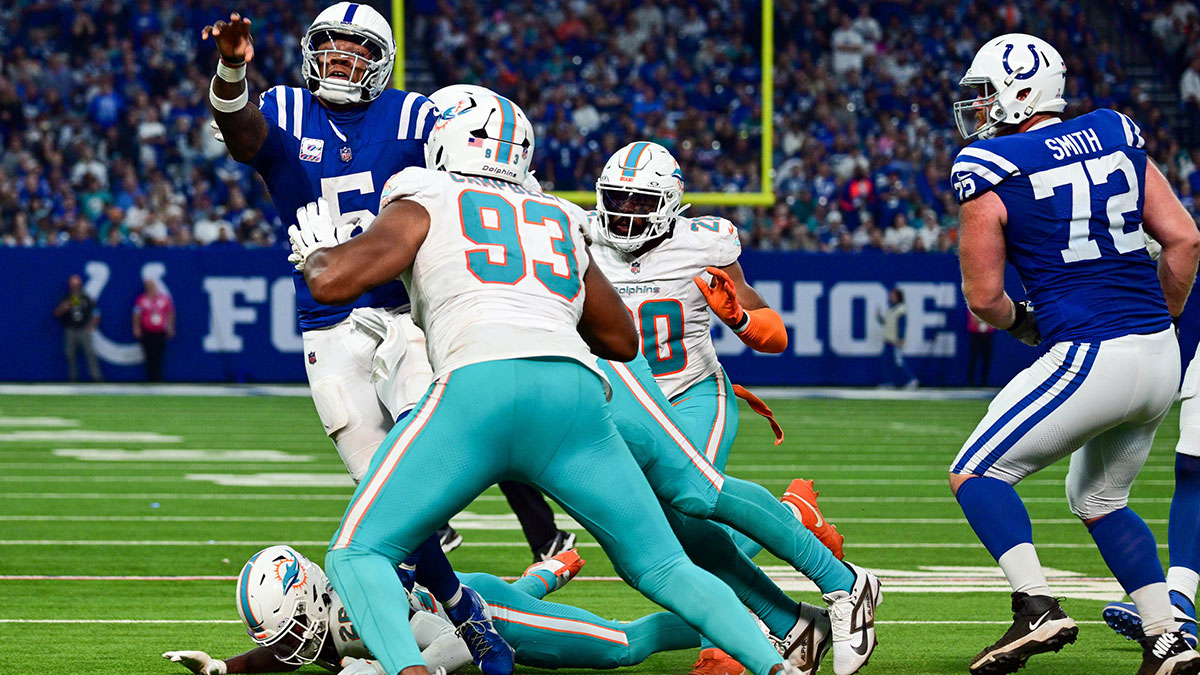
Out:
{"x": 1039, "y": 625}
{"x": 449, "y": 538}
{"x": 562, "y": 541}
{"x": 1168, "y": 654}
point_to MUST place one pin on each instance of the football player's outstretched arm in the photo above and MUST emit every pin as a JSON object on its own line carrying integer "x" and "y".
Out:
{"x": 982, "y": 256}
{"x": 257, "y": 660}
{"x": 1169, "y": 223}
{"x": 740, "y": 307}
{"x": 385, "y": 250}
{"x": 606, "y": 325}
{"x": 242, "y": 125}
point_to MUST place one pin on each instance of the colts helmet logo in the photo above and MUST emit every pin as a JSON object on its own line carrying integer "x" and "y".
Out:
{"x": 1037, "y": 63}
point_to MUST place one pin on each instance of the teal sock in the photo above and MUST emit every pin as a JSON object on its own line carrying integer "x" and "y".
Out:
{"x": 538, "y": 585}
{"x": 751, "y": 509}
{"x": 711, "y": 609}
{"x": 659, "y": 632}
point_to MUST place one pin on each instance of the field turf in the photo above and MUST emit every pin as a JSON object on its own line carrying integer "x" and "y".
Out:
{"x": 96, "y": 501}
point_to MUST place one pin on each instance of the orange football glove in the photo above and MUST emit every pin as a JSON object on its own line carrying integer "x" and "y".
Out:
{"x": 721, "y": 296}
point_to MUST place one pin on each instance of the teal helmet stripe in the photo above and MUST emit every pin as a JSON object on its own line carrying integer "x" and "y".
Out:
{"x": 244, "y": 596}
{"x": 508, "y": 130}
{"x": 631, "y": 160}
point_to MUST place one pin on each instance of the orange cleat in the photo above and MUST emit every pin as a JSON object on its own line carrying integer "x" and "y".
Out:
{"x": 713, "y": 661}
{"x": 564, "y": 566}
{"x": 801, "y": 498}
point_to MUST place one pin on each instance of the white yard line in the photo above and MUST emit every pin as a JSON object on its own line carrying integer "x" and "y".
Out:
{"x": 83, "y": 435}
{"x": 54, "y": 422}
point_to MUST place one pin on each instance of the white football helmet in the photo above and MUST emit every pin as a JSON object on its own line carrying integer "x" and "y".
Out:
{"x": 1021, "y": 75}
{"x": 448, "y": 97}
{"x": 638, "y": 195}
{"x": 481, "y": 135}
{"x": 358, "y": 23}
{"x": 283, "y": 599}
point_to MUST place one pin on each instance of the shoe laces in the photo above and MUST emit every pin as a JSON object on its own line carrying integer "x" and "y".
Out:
{"x": 474, "y": 633}
{"x": 841, "y": 608}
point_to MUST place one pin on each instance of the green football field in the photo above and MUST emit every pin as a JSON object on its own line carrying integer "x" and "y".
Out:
{"x": 124, "y": 520}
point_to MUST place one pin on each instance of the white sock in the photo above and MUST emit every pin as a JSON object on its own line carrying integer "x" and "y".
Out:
{"x": 1154, "y": 606}
{"x": 1023, "y": 570}
{"x": 453, "y": 602}
{"x": 1183, "y": 580}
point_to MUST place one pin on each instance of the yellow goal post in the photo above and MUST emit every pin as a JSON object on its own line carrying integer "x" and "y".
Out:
{"x": 765, "y": 197}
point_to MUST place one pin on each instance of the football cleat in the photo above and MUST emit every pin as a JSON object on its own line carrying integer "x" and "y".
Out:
{"x": 1168, "y": 654}
{"x": 801, "y": 498}
{"x": 562, "y": 541}
{"x": 1123, "y": 618}
{"x": 490, "y": 652}
{"x": 1039, "y": 625}
{"x": 449, "y": 538}
{"x": 808, "y": 640}
{"x": 713, "y": 661}
{"x": 852, "y": 621}
{"x": 564, "y": 566}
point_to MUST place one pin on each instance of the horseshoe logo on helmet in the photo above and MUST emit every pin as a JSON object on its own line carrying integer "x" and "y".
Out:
{"x": 1037, "y": 63}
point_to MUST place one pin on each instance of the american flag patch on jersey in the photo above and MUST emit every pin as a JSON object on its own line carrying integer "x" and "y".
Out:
{"x": 475, "y": 142}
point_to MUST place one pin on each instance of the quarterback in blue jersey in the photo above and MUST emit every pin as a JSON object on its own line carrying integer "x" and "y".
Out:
{"x": 339, "y": 140}
{"x": 1065, "y": 202}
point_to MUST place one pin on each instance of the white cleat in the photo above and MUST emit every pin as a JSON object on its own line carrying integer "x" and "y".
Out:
{"x": 852, "y": 618}
{"x": 808, "y": 640}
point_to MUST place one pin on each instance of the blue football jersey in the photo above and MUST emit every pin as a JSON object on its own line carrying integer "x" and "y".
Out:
{"x": 345, "y": 157}
{"x": 1074, "y": 192}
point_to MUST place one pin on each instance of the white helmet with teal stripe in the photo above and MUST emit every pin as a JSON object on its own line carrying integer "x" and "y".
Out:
{"x": 283, "y": 599}
{"x": 638, "y": 195}
{"x": 481, "y": 135}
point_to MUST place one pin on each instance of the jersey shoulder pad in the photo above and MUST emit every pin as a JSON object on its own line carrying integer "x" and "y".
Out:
{"x": 415, "y": 182}
{"x": 980, "y": 167}
{"x": 284, "y": 107}
{"x": 1128, "y": 128}
{"x": 413, "y": 113}
{"x": 718, "y": 237}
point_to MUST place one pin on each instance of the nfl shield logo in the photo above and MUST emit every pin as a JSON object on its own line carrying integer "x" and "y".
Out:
{"x": 346, "y": 156}
{"x": 312, "y": 358}
{"x": 635, "y": 267}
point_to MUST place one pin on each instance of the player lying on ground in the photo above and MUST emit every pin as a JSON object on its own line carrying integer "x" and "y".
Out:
{"x": 673, "y": 404}
{"x": 297, "y": 618}
{"x": 1065, "y": 202}
{"x": 515, "y": 315}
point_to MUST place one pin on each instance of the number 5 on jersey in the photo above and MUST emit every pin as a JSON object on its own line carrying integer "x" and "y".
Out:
{"x": 490, "y": 220}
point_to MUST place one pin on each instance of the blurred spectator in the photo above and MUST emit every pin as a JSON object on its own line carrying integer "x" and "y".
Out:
{"x": 153, "y": 325}
{"x": 901, "y": 236}
{"x": 979, "y": 350}
{"x": 893, "y": 320}
{"x": 1189, "y": 89}
{"x": 79, "y": 316}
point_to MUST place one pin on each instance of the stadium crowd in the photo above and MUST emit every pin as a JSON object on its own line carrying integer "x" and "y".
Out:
{"x": 104, "y": 117}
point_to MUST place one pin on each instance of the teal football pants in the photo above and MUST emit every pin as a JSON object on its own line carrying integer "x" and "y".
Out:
{"x": 551, "y": 635}
{"x": 542, "y": 422}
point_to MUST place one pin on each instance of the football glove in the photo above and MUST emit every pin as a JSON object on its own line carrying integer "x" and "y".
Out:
{"x": 197, "y": 662}
{"x": 216, "y": 131}
{"x": 1025, "y": 327}
{"x": 314, "y": 229}
{"x": 353, "y": 666}
{"x": 721, "y": 296}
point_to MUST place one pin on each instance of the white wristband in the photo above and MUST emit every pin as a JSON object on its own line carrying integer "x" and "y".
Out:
{"x": 221, "y": 105}
{"x": 231, "y": 74}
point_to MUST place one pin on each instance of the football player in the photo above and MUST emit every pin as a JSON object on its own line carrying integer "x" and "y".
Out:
{"x": 1065, "y": 202}
{"x": 677, "y": 389}
{"x": 1182, "y": 542}
{"x": 339, "y": 139}
{"x": 295, "y": 617}
{"x": 516, "y": 315}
